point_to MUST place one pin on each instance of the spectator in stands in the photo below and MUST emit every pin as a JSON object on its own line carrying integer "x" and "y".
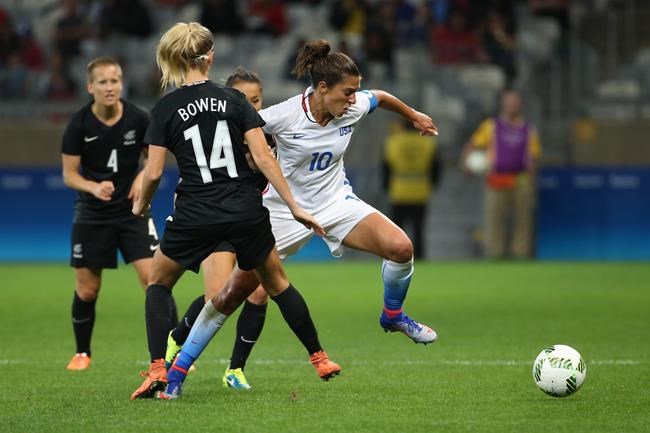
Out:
{"x": 14, "y": 57}
{"x": 30, "y": 50}
{"x": 56, "y": 84}
{"x": 221, "y": 17}
{"x": 8, "y": 38}
{"x": 71, "y": 30}
{"x": 8, "y": 45}
{"x": 13, "y": 78}
{"x": 407, "y": 29}
{"x": 290, "y": 63}
{"x": 267, "y": 16}
{"x": 126, "y": 17}
{"x": 513, "y": 148}
{"x": 358, "y": 56}
{"x": 411, "y": 170}
{"x": 438, "y": 10}
{"x": 349, "y": 17}
{"x": 558, "y": 11}
{"x": 499, "y": 43}
{"x": 455, "y": 43}
{"x": 379, "y": 38}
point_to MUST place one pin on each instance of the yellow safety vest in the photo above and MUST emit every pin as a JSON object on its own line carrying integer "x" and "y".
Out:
{"x": 409, "y": 157}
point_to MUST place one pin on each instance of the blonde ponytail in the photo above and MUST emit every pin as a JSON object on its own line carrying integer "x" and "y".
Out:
{"x": 183, "y": 47}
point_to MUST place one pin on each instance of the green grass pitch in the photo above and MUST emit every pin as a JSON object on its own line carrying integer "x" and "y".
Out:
{"x": 492, "y": 320}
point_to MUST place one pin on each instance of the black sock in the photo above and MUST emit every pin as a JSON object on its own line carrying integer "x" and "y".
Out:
{"x": 159, "y": 311}
{"x": 249, "y": 327}
{"x": 182, "y": 329}
{"x": 83, "y": 320}
{"x": 296, "y": 314}
{"x": 174, "y": 312}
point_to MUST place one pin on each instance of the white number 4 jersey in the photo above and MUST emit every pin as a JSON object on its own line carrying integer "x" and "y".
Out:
{"x": 311, "y": 155}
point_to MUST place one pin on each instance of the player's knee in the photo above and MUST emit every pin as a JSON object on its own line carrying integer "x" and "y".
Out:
{"x": 259, "y": 297}
{"x": 87, "y": 293}
{"x": 400, "y": 250}
{"x": 213, "y": 289}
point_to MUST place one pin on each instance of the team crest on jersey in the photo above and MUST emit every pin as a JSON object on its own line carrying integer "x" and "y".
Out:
{"x": 129, "y": 137}
{"x": 345, "y": 130}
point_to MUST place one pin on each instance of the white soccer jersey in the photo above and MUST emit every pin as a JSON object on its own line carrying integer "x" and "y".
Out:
{"x": 311, "y": 155}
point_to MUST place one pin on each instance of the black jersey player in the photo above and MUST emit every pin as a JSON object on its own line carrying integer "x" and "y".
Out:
{"x": 204, "y": 125}
{"x": 219, "y": 265}
{"x": 102, "y": 147}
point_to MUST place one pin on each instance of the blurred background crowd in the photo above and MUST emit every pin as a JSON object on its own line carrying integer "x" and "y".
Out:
{"x": 581, "y": 68}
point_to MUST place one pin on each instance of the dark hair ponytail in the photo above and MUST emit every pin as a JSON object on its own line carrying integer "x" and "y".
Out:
{"x": 317, "y": 62}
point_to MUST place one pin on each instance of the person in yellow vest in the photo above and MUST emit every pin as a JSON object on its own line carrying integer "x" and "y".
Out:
{"x": 411, "y": 170}
{"x": 513, "y": 149}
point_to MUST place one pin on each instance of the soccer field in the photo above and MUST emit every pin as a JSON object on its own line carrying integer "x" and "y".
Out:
{"x": 492, "y": 320}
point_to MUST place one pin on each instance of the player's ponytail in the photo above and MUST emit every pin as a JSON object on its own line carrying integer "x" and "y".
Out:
{"x": 183, "y": 47}
{"x": 317, "y": 62}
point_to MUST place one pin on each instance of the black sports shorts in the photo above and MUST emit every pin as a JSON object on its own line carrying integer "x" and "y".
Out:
{"x": 95, "y": 246}
{"x": 190, "y": 245}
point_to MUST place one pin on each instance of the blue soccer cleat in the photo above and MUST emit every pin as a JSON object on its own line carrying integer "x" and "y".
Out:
{"x": 417, "y": 332}
{"x": 172, "y": 392}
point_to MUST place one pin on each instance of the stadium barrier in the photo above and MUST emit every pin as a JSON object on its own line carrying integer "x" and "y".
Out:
{"x": 37, "y": 208}
{"x": 596, "y": 213}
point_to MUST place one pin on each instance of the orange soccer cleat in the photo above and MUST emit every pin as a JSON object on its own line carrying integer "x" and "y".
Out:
{"x": 325, "y": 368}
{"x": 155, "y": 380}
{"x": 80, "y": 361}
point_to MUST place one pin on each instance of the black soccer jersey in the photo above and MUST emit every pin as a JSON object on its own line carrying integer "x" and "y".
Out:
{"x": 203, "y": 125}
{"x": 107, "y": 153}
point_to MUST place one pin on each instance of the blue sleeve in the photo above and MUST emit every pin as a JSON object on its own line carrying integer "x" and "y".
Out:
{"x": 373, "y": 100}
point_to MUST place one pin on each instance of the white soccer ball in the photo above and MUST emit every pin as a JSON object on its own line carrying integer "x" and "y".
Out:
{"x": 477, "y": 162}
{"x": 559, "y": 370}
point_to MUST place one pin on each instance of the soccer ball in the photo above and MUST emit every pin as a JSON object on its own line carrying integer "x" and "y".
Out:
{"x": 477, "y": 162}
{"x": 559, "y": 370}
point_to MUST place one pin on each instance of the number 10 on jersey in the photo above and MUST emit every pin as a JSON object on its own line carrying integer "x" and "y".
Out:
{"x": 220, "y": 145}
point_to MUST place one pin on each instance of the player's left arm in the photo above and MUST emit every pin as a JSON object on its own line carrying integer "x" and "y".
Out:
{"x": 420, "y": 121}
{"x": 151, "y": 175}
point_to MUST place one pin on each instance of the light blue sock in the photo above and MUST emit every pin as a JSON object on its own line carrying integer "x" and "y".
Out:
{"x": 205, "y": 327}
{"x": 397, "y": 278}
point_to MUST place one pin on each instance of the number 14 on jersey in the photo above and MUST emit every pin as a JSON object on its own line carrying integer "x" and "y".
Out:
{"x": 221, "y": 145}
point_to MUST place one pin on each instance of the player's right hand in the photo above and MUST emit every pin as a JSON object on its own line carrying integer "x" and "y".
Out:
{"x": 139, "y": 208}
{"x": 308, "y": 221}
{"x": 104, "y": 190}
{"x": 424, "y": 124}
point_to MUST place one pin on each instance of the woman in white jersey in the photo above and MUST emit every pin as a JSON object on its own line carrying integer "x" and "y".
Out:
{"x": 312, "y": 131}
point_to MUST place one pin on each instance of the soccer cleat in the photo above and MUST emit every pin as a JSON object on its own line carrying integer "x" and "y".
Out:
{"x": 172, "y": 392}
{"x": 417, "y": 332}
{"x": 80, "y": 361}
{"x": 325, "y": 368}
{"x": 234, "y": 378}
{"x": 155, "y": 380}
{"x": 173, "y": 349}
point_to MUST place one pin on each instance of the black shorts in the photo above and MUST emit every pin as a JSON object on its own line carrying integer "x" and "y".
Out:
{"x": 190, "y": 245}
{"x": 224, "y": 247}
{"x": 95, "y": 246}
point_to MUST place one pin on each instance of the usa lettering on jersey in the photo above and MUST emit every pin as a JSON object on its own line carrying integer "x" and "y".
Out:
{"x": 201, "y": 105}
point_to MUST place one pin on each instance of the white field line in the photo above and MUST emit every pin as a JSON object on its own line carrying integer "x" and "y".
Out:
{"x": 406, "y": 362}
